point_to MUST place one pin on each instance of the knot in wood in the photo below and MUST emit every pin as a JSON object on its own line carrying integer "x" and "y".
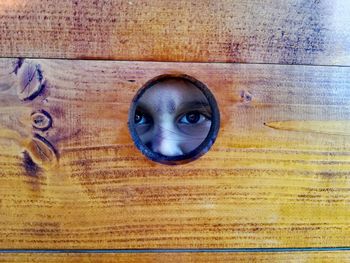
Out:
{"x": 246, "y": 96}
{"x": 31, "y": 81}
{"x": 41, "y": 120}
{"x": 42, "y": 152}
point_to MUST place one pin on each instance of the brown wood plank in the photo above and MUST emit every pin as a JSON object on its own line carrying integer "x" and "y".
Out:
{"x": 323, "y": 257}
{"x": 277, "y": 176}
{"x": 255, "y": 31}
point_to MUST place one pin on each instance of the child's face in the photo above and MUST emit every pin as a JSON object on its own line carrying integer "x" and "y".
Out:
{"x": 172, "y": 117}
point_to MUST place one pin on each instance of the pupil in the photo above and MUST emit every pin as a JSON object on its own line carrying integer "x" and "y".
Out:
{"x": 138, "y": 117}
{"x": 192, "y": 117}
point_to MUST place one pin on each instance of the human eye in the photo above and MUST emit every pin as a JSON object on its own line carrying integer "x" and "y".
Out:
{"x": 193, "y": 117}
{"x": 142, "y": 117}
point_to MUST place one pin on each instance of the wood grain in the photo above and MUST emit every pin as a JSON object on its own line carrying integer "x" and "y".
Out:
{"x": 339, "y": 257}
{"x": 254, "y": 31}
{"x": 83, "y": 184}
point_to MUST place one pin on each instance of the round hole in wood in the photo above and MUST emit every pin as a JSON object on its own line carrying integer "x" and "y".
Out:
{"x": 174, "y": 119}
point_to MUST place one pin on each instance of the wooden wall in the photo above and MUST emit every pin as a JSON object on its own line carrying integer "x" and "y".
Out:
{"x": 274, "y": 187}
{"x": 252, "y": 31}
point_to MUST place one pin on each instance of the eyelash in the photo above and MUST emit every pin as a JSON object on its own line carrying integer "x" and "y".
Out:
{"x": 182, "y": 119}
{"x": 145, "y": 118}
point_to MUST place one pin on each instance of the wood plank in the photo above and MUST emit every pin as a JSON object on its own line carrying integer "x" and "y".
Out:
{"x": 275, "y": 177}
{"x": 323, "y": 257}
{"x": 254, "y": 31}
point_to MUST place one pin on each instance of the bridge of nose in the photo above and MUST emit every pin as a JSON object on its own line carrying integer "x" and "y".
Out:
{"x": 167, "y": 139}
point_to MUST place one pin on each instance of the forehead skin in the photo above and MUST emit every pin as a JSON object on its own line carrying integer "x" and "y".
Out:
{"x": 169, "y": 95}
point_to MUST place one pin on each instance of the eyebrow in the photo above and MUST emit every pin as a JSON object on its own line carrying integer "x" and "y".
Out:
{"x": 143, "y": 107}
{"x": 194, "y": 104}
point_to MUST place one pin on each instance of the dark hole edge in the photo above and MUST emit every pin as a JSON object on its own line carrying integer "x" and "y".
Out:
{"x": 202, "y": 148}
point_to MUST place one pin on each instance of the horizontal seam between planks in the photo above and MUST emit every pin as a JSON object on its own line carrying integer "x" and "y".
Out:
{"x": 199, "y": 250}
{"x": 173, "y": 61}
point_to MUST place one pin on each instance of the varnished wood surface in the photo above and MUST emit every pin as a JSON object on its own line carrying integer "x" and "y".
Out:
{"x": 255, "y": 31}
{"x": 277, "y": 176}
{"x": 306, "y": 257}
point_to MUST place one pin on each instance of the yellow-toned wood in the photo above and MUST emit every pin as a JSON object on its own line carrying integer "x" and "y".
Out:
{"x": 307, "y": 257}
{"x": 269, "y": 31}
{"x": 258, "y": 186}
{"x": 324, "y": 127}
